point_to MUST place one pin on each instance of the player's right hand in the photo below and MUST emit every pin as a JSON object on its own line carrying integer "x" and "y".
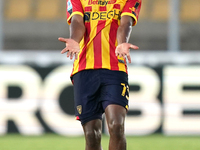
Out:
{"x": 72, "y": 47}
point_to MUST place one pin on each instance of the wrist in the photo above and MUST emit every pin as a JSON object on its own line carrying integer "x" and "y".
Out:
{"x": 120, "y": 44}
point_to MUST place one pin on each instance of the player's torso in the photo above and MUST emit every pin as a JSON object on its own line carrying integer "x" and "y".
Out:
{"x": 102, "y": 18}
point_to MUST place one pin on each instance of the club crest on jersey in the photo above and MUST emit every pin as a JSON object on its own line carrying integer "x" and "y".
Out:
{"x": 79, "y": 109}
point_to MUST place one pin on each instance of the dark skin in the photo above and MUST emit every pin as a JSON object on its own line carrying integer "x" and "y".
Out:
{"x": 115, "y": 114}
{"x": 77, "y": 30}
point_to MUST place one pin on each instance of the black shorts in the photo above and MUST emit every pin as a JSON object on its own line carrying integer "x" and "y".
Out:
{"x": 94, "y": 90}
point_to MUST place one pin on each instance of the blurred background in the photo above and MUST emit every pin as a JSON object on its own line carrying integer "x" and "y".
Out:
{"x": 36, "y": 24}
{"x": 35, "y": 90}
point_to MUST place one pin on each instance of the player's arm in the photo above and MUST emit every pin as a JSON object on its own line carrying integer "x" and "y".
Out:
{"x": 77, "y": 30}
{"x": 123, "y": 35}
{"x": 124, "y": 30}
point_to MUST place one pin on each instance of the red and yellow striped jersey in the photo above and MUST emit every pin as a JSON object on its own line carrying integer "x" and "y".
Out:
{"x": 102, "y": 18}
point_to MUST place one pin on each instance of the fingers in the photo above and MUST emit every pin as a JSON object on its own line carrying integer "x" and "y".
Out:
{"x": 118, "y": 54}
{"x": 133, "y": 46}
{"x": 70, "y": 54}
{"x": 76, "y": 56}
{"x": 124, "y": 56}
{"x": 64, "y": 50}
{"x": 62, "y": 39}
{"x": 72, "y": 47}
{"x": 129, "y": 58}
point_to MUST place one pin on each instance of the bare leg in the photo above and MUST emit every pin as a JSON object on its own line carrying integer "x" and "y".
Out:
{"x": 92, "y": 131}
{"x": 115, "y": 116}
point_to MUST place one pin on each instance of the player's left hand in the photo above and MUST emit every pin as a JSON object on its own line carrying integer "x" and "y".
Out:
{"x": 72, "y": 47}
{"x": 123, "y": 50}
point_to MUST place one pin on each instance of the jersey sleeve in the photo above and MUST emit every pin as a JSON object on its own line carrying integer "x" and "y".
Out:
{"x": 74, "y": 7}
{"x": 132, "y": 8}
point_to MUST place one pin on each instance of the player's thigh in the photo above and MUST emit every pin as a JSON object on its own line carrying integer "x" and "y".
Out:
{"x": 115, "y": 114}
{"x": 93, "y": 125}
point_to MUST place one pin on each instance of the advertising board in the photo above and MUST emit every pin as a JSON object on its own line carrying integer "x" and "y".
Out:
{"x": 163, "y": 99}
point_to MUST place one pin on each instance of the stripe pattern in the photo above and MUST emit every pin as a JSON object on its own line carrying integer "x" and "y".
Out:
{"x": 102, "y": 19}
